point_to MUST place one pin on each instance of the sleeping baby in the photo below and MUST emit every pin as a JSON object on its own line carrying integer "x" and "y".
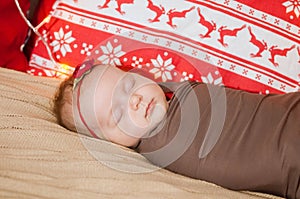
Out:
{"x": 235, "y": 139}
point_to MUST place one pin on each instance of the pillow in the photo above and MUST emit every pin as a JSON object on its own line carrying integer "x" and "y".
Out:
{"x": 247, "y": 45}
{"x": 13, "y": 33}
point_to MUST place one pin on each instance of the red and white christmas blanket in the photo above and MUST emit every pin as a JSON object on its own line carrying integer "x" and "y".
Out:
{"x": 249, "y": 45}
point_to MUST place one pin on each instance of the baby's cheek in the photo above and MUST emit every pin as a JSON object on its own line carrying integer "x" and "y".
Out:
{"x": 138, "y": 120}
{"x": 133, "y": 124}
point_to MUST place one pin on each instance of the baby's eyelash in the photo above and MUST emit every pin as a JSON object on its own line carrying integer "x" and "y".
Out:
{"x": 111, "y": 121}
{"x": 129, "y": 84}
{"x": 116, "y": 116}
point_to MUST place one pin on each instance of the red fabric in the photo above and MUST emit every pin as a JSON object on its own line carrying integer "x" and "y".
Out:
{"x": 42, "y": 10}
{"x": 248, "y": 45}
{"x": 13, "y": 33}
{"x": 283, "y": 9}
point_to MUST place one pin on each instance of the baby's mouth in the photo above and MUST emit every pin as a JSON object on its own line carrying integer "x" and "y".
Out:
{"x": 149, "y": 108}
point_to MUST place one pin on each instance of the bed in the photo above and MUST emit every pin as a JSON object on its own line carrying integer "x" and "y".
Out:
{"x": 41, "y": 159}
{"x": 242, "y": 44}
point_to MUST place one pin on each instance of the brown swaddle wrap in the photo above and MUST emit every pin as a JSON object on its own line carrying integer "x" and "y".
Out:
{"x": 236, "y": 139}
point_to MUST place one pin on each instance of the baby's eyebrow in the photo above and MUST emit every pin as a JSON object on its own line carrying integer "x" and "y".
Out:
{"x": 110, "y": 119}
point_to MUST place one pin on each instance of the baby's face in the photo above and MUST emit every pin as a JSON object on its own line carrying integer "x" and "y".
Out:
{"x": 127, "y": 106}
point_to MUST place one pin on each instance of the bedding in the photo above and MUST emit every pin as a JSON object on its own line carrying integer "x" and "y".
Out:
{"x": 13, "y": 34}
{"x": 41, "y": 159}
{"x": 248, "y": 45}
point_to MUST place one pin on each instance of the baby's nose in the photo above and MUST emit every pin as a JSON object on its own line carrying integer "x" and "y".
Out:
{"x": 134, "y": 101}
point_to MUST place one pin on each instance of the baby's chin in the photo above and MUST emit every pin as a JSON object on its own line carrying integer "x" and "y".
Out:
{"x": 157, "y": 114}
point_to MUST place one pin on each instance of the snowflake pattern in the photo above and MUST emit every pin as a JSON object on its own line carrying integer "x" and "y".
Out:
{"x": 136, "y": 62}
{"x": 111, "y": 55}
{"x": 44, "y": 37}
{"x": 292, "y": 6}
{"x": 86, "y": 49}
{"x": 162, "y": 68}
{"x": 62, "y": 42}
{"x": 210, "y": 80}
{"x": 186, "y": 76}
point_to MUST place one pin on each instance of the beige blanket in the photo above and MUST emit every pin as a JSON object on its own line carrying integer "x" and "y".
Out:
{"x": 40, "y": 159}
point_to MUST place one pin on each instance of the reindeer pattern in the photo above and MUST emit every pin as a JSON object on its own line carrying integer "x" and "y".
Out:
{"x": 210, "y": 25}
{"x": 170, "y": 16}
{"x": 261, "y": 45}
{"x": 159, "y": 10}
{"x": 173, "y": 13}
{"x": 119, "y": 4}
{"x": 298, "y": 50}
{"x": 225, "y": 32}
{"x": 275, "y": 51}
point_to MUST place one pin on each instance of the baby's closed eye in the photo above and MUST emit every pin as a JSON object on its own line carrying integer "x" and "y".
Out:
{"x": 116, "y": 115}
{"x": 128, "y": 83}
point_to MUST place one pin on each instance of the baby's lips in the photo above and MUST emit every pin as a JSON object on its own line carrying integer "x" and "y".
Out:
{"x": 149, "y": 108}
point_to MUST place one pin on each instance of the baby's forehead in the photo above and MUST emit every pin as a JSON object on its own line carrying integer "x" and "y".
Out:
{"x": 95, "y": 75}
{"x": 86, "y": 96}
